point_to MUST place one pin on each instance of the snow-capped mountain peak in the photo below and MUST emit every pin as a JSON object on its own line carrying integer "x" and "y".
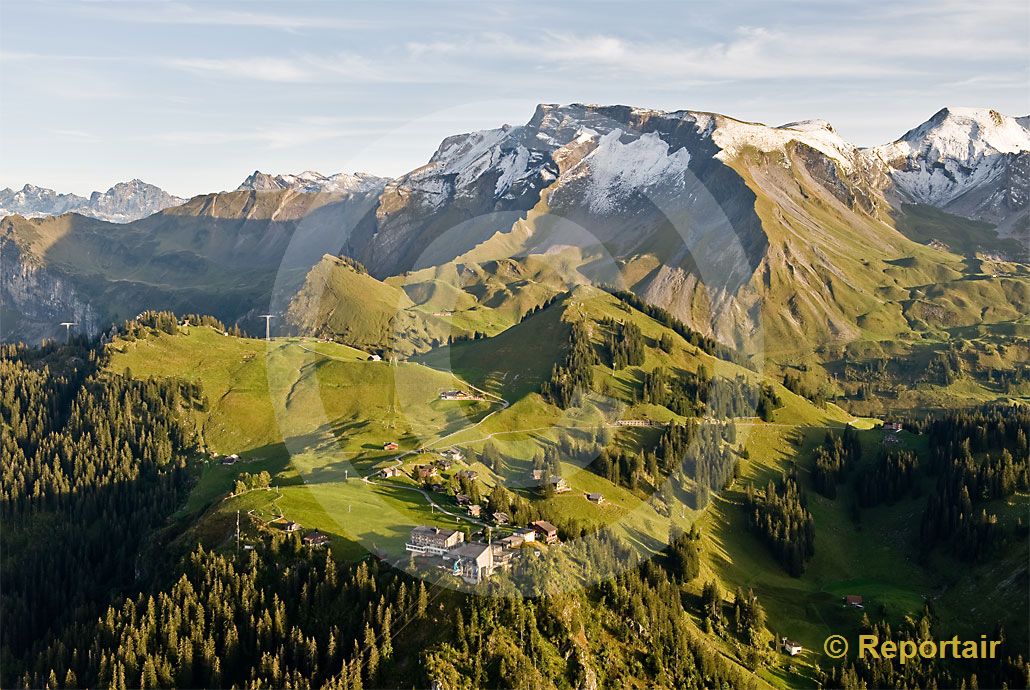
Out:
{"x": 312, "y": 182}
{"x": 964, "y": 134}
{"x": 732, "y": 136}
{"x": 128, "y": 201}
{"x": 956, "y": 150}
{"x": 122, "y": 203}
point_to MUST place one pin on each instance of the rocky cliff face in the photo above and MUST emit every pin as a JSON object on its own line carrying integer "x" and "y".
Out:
{"x": 605, "y": 159}
{"x": 129, "y": 201}
{"x": 36, "y": 299}
{"x": 739, "y": 228}
{"x": 221, "y": 254}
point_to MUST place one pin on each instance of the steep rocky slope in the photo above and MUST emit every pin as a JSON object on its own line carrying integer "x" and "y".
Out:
{"x": 767, "y": 237}
{"x": 968, "y": 161}
{"x": 227, "y": 254}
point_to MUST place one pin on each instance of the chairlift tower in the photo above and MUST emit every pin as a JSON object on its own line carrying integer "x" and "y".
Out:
{"x": 268, "y": 325}
{"x": 68, "y": 328}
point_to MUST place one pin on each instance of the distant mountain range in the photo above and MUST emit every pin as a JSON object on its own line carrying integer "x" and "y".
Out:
{"x": 764, "y": 237}
{"x": 135, "y": 199}
{"x": 312, "y": 182}
{"x": 122, "y": 203}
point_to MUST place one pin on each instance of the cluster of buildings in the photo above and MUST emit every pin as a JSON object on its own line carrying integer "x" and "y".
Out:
{"x": 313, "y": 538}
{"x": 459, "y": 395}
{"x": 892, "y": 434}
{"x": 475, "y": 561}
{"x": 646, "y": 423}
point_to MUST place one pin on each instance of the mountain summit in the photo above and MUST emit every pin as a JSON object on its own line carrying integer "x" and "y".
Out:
{"x": 122, "y": 203}
{"x": 974, "y": 162}
{"x": 312, "y": 182}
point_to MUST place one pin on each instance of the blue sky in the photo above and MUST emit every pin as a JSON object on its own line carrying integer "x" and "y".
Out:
{"x": 194, "y": 96}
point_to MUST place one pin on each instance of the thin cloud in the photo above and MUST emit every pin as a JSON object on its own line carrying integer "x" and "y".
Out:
{"x": 280, "y": 134}
{"x": 307, "y": 68}
{"x": 181, "y": 13}
{"x": 258, "y": 68}
{"x": 76, "y": 135}
{"x": 752, "y": 53}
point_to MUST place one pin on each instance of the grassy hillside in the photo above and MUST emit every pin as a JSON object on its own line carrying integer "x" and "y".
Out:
{"x": 872, "y": 553}
{"x": 343, "y": 301}
{"x": 316, "y": 414}
{"x": 313, "y": 414}
{"x": 416, "y": 311}
{"x": 513, "y": 365}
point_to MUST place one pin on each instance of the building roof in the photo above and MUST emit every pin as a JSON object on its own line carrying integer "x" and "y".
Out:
{"x": 545, "y": 526}
{"x": 438, "y": 532}
{"x": 475, "y": 551}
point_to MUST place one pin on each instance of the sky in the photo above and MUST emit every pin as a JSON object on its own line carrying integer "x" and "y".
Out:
{"x": 193, "y": 96}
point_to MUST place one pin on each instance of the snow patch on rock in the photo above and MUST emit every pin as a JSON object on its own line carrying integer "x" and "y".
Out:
{"x": 732, "y": 136}
{"x": 614, "y": 170}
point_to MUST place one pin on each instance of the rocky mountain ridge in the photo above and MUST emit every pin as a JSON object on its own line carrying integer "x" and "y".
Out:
{"x": 742, "y": 230}
{"x": 122, "y": 203}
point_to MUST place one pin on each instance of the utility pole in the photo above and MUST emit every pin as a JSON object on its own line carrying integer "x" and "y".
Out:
{"x": 237, "y": 533}
{"x": 268, "y": 325}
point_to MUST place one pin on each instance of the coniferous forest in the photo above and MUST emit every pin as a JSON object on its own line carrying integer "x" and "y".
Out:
{"x": 781, "y": 519}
